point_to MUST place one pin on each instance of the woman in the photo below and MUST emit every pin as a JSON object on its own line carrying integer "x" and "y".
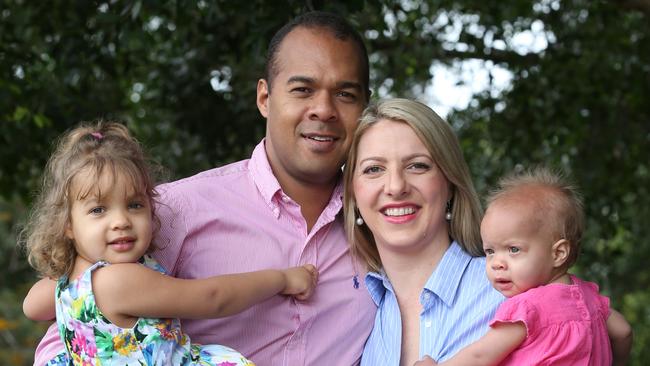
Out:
{"x": 412, "y": 215}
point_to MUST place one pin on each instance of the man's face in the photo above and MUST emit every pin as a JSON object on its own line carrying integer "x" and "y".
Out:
{"x": 312, "y": 107}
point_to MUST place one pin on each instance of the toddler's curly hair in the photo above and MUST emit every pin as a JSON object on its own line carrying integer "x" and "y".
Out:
{"x": 96, "y": 148}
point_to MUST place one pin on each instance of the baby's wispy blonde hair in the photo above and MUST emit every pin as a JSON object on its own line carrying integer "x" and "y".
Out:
{"x": 559, "y": 208}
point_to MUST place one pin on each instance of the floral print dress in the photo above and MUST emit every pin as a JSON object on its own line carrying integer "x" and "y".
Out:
{"x": 91, "y": 339}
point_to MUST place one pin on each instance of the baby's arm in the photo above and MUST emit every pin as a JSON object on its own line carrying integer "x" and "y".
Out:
{"x": 39, "y": 301}
{"x": 492, "y": 348}
{"x": 133, "y": 290}
{"x": 620, "y": 336}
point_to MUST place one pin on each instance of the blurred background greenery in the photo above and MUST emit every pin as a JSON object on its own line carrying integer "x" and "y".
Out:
{"x": 562, "y": 82}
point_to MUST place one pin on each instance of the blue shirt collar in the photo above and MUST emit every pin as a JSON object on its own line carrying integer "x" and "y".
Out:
{"x": 443, "y": 282}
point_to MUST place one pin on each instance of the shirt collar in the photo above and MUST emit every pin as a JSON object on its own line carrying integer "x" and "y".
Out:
{"x": 443, "y": 282}
{"x": 377, "y": 283}
{"x": 262, "y": 174}
{"x": 268, "y": 185}
{"x": 336, "y": 202}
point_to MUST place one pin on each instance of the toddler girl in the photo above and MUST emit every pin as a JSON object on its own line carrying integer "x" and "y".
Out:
{"x": 530, "y": 231}
{"x": 91, "y": 228}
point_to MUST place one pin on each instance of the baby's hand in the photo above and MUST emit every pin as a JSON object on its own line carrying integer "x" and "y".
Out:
{"x": 300, "y": 281}
{"x": 425, "y": 361}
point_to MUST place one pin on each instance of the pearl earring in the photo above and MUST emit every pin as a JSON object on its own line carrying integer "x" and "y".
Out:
{"x": 359, "y": 221}
{"x": 448, "y": 214}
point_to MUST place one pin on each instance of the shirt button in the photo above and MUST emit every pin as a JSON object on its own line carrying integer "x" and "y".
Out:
{"x": 286, "y": 198}
{"x": 427, "y": 324}
{"x": 426, "y": 296}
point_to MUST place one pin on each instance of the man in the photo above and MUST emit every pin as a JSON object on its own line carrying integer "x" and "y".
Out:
{"x": 280, "y": 208}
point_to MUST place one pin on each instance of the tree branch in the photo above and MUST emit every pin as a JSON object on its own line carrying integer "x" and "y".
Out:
{"x": 496, "y": 56}
{"x": 438, "y": 53}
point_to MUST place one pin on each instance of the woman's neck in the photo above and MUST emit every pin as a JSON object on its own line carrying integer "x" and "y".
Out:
{"x": 409, "y": 271}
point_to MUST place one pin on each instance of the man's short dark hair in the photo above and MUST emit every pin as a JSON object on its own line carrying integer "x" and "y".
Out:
{"x": 335, "y": 24}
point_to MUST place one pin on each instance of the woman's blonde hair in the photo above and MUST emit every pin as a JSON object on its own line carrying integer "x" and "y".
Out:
{"x": 441, "y": 142}
{"x": 93, "y": 148}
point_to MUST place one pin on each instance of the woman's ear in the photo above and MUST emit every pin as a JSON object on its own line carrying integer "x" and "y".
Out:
{"x": 561, "y": 250}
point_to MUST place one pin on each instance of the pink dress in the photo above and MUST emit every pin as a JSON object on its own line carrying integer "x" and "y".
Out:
{"x": 565, "y": 324}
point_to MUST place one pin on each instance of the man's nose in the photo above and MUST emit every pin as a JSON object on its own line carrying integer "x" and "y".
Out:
{"x": 323, "y": 108}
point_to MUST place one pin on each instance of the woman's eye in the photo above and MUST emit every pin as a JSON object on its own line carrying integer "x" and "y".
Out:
{"x": 419, "y": 166}
{"x": 514, "y": 250}
{"x": 372, "y": 170}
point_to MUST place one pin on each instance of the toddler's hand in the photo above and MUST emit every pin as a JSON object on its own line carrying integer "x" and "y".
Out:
{"x": 425, "y": 361}
{"x": 300, "y": 281}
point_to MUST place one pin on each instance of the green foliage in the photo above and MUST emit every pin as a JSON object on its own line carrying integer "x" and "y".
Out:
{"x": 182, "y": 76}
{"x": 18, "y": 335}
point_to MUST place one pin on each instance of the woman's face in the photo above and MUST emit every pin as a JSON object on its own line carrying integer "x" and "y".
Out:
{"x": 399, "y": 190}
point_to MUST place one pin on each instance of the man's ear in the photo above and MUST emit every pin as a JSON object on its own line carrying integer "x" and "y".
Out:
{"x": 263, "y": 97}
{"x": 561, "y": 250}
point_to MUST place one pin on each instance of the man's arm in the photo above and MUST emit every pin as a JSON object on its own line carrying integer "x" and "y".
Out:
{"x": 39, "y": 302}
{"x": 620, "y": 336}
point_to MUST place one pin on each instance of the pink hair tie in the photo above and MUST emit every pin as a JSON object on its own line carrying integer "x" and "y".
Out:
{"x": 97, "y": 135}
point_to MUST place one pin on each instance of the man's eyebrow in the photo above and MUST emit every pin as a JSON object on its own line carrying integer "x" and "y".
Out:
{"x": 309, "y": 80}
{"x": 301, "y": 79}
{"x": 349, "y": 85}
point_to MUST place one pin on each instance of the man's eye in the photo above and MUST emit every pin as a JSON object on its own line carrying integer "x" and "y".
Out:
{"x": 488, "y": 251}
{"x": 301, "y": 90}
{"x": 347, "y": 96}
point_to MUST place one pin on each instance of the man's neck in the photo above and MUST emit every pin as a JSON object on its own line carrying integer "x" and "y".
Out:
{"x": 312, "y": 198}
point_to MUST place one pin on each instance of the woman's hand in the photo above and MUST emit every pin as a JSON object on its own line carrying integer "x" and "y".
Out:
{"x": 301, "y": 281}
